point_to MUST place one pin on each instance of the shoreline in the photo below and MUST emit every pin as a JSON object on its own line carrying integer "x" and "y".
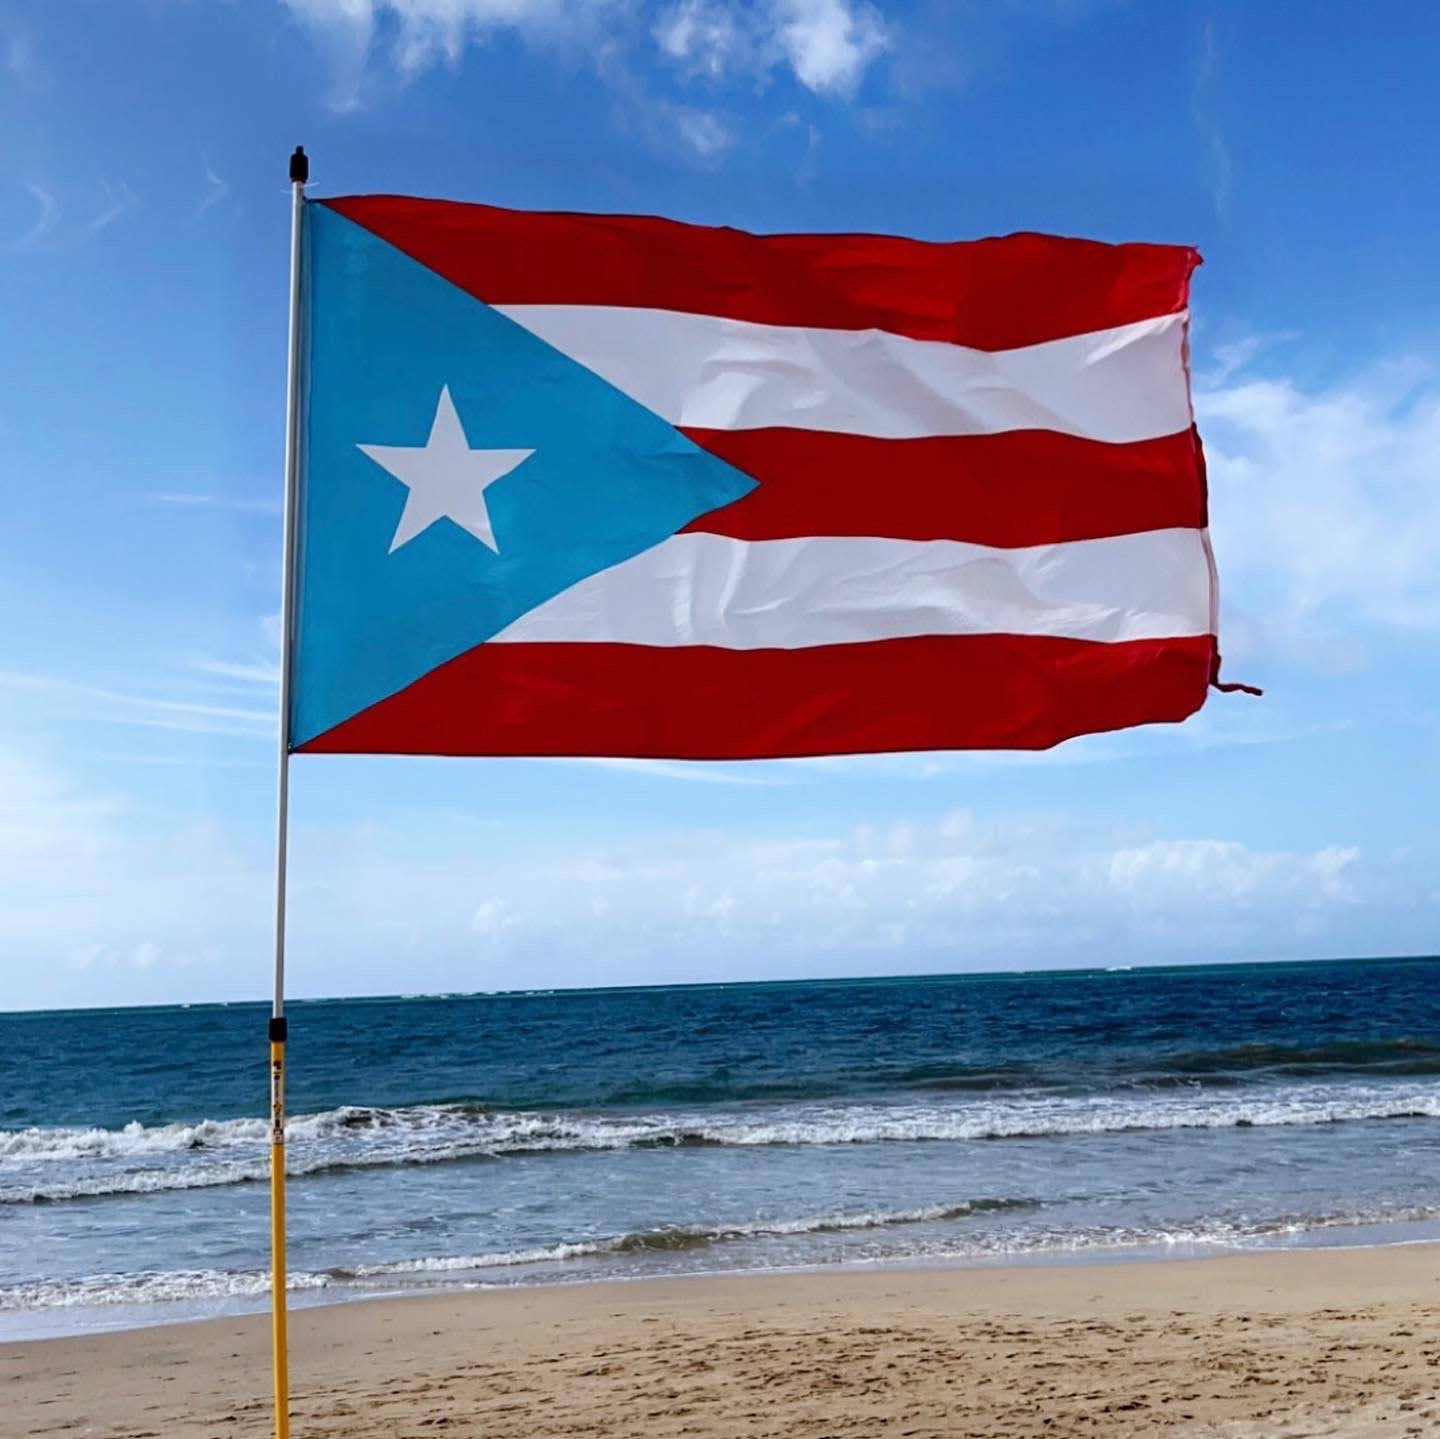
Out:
{"x": 1337, "y": 1337}
{"x": 129, "y": 1316}
{"x": 104, "y": 1318}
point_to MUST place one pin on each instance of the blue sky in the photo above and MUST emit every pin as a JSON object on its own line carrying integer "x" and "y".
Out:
{"x": 143, "y": 224}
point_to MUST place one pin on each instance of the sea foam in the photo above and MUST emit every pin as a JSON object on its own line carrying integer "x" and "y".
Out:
{"x": 40, "y": 1165}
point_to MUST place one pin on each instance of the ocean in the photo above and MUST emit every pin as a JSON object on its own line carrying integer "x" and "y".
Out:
{"x": 496, "y": 1139}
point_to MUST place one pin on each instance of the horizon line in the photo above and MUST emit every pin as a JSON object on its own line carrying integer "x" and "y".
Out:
{"x": 547, "y": 991}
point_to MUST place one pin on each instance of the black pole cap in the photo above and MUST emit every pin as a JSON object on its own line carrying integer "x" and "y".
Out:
{"x": 299, "y": 166}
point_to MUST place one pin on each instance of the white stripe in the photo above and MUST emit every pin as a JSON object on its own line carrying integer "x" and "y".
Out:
{"x": 706, "y": 372}
{"x": 698, "y": 589}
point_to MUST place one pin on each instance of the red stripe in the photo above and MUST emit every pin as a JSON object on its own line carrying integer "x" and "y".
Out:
{"x": 991, "y": 294}
{"x": 1024, "y": 487}
{"x": 935, "y": 692}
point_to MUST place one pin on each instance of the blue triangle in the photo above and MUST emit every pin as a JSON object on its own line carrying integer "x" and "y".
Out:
{"x": 608, "y": 478}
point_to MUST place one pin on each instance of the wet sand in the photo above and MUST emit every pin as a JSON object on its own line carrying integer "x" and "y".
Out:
{"x": 1257, "y": 1346}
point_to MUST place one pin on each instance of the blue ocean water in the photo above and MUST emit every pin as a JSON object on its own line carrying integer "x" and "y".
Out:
{"x": 515, "y": 1138}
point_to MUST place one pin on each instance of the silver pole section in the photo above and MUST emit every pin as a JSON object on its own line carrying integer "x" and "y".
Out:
{"x": 299, "y": 174}
{"x": 280, "y": 1345}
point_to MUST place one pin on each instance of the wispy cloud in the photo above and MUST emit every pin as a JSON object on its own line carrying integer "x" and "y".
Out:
{"x": 1202, "y": 112}
{"x": 256, "y": 673}
{"x": 696, "y": 772}
{"x": 72, "y": 700}
{"x": 1228, "y": 359}
{"x": 704, "y": 38}
{"x": 701, "y": 131}
{"x": 93, "y": 880}
{"x": 22, "y": 63}
{"x": 793, "y": 124}
{"x": 196, "y": 499}
{"x": 216, "y": 191}
{"x": 119, "y": 199}
{"x": 1226, "y": 722}
{"x": 46, "y": 220}
{"x": 204, "y": 761}
{"x": 422, "y": 33}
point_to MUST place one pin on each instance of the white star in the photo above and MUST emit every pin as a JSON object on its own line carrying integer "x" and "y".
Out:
{"x": 445, "y": 477}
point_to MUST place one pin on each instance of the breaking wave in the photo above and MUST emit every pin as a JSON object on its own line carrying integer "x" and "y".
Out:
{"x": 667, "y": 1239}
{"x": 143, "y": 1160}
{"x": 680, "y": 1249}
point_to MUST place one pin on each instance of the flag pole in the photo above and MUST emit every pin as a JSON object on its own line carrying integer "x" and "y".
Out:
{"x": 299, "y": 174}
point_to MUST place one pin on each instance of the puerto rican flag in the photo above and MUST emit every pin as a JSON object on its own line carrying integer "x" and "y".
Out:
{"x": 613, "y": 485}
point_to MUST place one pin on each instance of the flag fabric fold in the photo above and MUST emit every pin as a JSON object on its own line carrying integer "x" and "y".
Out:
{"x": 613, "y": 485}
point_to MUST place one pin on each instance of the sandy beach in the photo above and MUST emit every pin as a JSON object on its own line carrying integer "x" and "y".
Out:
{"x": 1339, "y": 1342}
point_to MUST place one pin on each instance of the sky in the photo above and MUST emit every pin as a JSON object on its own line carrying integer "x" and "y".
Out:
{"x": 144, "y": 217}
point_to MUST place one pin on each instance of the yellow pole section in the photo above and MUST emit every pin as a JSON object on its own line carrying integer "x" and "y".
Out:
{"x": 277, "y": 1239}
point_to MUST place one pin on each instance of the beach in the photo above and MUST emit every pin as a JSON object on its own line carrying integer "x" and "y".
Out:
{"x": 1296, "y": 1343}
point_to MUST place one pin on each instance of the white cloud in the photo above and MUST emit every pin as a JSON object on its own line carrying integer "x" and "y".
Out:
{"x": 1175, "y": 875}
{"x": 829, "y": 43}
{"x": 417, "y": 34}
{"x": 138, "y": 959}
{"x": 148, "y": 904}
{"x": 826, "y": 45}
{"x": 490, "y": 920}
{"x": 1325, "y": 507}
{"x": 431, "y": 31}
{"x": 704, "y": 38}
{"x": 345, "y": 30}
{"x": 959, "y": 893}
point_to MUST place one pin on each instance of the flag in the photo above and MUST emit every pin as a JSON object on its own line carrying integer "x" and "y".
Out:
{"x": 614, "y": 485}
